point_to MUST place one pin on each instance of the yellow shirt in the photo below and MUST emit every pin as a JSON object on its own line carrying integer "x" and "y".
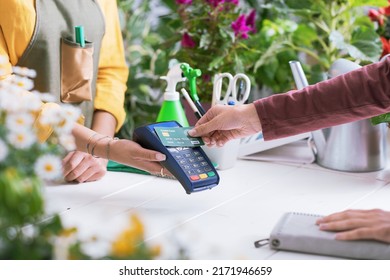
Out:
{"x": 113, "y": 71}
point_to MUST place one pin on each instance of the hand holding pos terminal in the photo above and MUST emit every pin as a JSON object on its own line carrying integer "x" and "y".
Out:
{"x": 190, "y": 165}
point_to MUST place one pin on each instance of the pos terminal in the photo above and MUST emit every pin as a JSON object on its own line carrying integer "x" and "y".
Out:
{"x": 189, "y": 164}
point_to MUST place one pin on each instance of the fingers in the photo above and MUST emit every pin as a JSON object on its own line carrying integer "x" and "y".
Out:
{"x": 207, "y": 123}
{"x": 346, "y": 224}
{"x": 224, "y": 123}
{"x": 125, "y": 150}
{"x": 205, "y": 129}
{"x": 148, "y": 155}
{"x": 153, "y": 168}
{"x": 358, "y": 224}
{"x": 71, "y": 161}
{"x": 341, "y": 216}
{"x": 82, "y": 167}
{"x": 357, "y": 234}
{"x": 89, "y": 175}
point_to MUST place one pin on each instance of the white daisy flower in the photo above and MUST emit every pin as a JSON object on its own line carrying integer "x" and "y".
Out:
{"x": 19, "y": 121}
{"x": 51, "y": 115}
{"x": 22, "y": 139}
{"x": 3, "y": 150}
{"x": 23, "y": 82}
{"x": 64, "y": 126}
{"x": 45, "y": 96}
{"x": 24, "y": 72}
{"x": 70, "y": 112}
{"x": 11, "y": 101}
{"x": 68, "y": 116}
{"x": 31, "y": 73}
{"x": 67, "y": 141}
{"x": 48, "y": 167}
{"x": 31, "y": 102}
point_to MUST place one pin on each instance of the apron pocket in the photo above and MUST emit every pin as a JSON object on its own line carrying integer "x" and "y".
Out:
{"x": 76, "y": 71}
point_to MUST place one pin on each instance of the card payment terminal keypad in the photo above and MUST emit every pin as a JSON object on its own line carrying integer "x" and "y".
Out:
{"x": 193, "y": 163}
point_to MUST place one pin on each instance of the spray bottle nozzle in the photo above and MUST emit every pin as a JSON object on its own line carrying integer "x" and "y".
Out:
{"x": 173, "y": 77}
{"x": 171, "y": 108}
{"x": 191, "y": 74}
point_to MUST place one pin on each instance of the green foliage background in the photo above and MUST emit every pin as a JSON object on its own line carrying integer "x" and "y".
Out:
{"x": 315, "y": 32}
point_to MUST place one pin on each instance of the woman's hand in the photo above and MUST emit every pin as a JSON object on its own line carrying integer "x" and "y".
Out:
{"x": 82, "y": 167}
{"x": 132, "y": 154}
{"x": 358, "y": 224}
{"x": 223, "y": 123}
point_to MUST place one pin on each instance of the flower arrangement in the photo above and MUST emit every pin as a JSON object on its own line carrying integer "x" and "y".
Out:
{"x": 34, "y": 135}
{"x": 215, "y": 37}
{"x": 26, "y": 160}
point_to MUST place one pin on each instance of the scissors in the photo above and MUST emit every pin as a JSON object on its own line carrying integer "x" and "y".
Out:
{"x": 231, "y": 96}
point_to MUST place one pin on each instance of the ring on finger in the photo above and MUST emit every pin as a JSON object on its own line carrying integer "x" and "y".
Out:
{"x": 162, "y": 172}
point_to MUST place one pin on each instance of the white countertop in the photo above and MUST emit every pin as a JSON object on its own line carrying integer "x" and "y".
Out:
{"x": 221, "y": 223}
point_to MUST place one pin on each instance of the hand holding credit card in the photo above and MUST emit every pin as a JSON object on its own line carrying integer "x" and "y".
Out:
{"x": 177, "y": 137}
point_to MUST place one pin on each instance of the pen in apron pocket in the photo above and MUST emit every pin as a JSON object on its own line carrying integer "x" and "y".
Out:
{"x": 79, "y": 31}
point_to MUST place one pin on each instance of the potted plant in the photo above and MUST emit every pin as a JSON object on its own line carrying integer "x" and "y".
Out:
{"x": 324, "y": 31}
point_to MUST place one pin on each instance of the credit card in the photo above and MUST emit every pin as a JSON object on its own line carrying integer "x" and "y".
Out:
{"x": 177, "y": 137}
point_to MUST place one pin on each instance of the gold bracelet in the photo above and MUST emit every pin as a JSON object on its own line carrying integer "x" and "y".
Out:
{"x": 89, "y": 141}
{"x": 95, "y": 144}
{"x": 108, "y": 146}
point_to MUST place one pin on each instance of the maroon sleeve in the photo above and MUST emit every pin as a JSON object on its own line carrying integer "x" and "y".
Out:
{"x": 359, "y": 94}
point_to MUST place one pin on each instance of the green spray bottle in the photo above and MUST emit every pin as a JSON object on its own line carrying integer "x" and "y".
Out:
{"x": 171, "y": 108}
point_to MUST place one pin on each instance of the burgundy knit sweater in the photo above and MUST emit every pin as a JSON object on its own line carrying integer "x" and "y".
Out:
{"x": 357, "y": 95}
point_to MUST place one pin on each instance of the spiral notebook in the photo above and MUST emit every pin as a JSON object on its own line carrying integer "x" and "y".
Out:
{"x": 299, "y": 232}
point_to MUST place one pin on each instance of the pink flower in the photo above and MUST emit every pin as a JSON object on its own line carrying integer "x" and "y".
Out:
{"x": 251, "y": 20}
{"x": 235, "y": 2}
{"x": 184, "y": 2}
{"x": 240, "y": 28}
{"x": 187, "y": 41}
{"x": 216, "y": 3}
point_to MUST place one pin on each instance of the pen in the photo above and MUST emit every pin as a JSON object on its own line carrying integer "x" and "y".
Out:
{"x": 79, "y": 31}
{"x": 298, "y": 74}
{"x": 191, "y": 103}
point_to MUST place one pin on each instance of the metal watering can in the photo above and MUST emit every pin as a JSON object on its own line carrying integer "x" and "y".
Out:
{"x": 353, "y": 147}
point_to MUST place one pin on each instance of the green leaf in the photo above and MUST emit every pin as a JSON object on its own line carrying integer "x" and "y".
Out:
{"x": 384, "y": 118}
{"x": 304, "y": 35}
{"x": 205, "y": 40}
{"x": 316, "y": 74}
{"x": 239, "y": 67}
{"x": 227, "y": 34}
{"x": 170, "y": 3}
{"x": 302, "y": 4}
{"x": 377, "y": 3}
{"x": 271, "y": 68}
{"x": 216, "y": 62}
{"x": 365, "y": 44}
